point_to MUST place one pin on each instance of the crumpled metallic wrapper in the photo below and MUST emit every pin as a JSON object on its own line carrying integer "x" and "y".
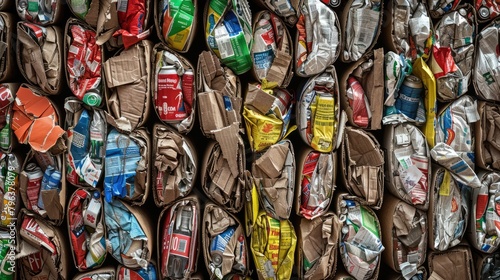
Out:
{"x": 175, "y": 165}
{"x": 363, "y": 163}
{"x": 317, "y": 126}
{"x": 235, "y": 256}
{"x": 438, "y": 7}
{"x": 487, "y": 63}
{"x": 319, "y": 38}
{"x": 318, "y": 245}
{"x": 362, "y": 28}
{"x": 453, "y": 52}
{"x": 273, "y": 245}
{"x": 274, "y": 175}
{"x": 407, "y": 164}
{"x": 219, "y": 95}
{"x": 39, "y": 55}
{"x": 488, "y": 136}
{"x": 411, "y": 28}
{"x": 224, "y": 164}
{"x": 449, "y": 210}
{"x": 489, "y": 267}
{"x": 484, "y": 225}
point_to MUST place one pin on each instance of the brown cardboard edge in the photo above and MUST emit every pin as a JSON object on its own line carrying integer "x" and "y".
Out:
{"x": 457, "y": 249}
{"x": 338, "y": 197}
{"x": 154, "y": 172}
{"x": 159, "y": 229}
{"x": 69, "y": 233}
{"x": 10, "y": 59}
{"x": 187, "y": 64}
{"x": 64, "y": 266}
{"x": 142, "y": 136}
{"x": 479, "y": 133}
{"x": 476, "y": 47}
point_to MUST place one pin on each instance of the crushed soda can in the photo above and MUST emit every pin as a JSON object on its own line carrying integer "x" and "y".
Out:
{"x": 46, "y": 44}
{"x": 42, "y": 250}
{"x": 175, "y": 165}
{"x": 83, "y": 63}
{"x": 174, "y": 89}
{"x": 318, "y": 127}
{"x": 220, "y": 99}
{"x": 360, "y": 239}
{"x": 35, "y": 121}
{"x": 437, "y": 8}
{"x": 133, "y": 18}
{"x": 316, "y": 182}
{"x": 319, "y": 38}
{"x": 488, "y": 265}
{"x": 448, "y": 210}
{"x": 43, "y": 12}
{"x": 128, "y": 96}
{"x": 8, "y": 253}
{"x": 361, "y": 23}
{"x": 129, "y": 234}
{"x": 404, "y": 231}
{"x": 127, "y": 162}
{"x": 7, "y": 98}
{"x": 103, "y": 273}
{"x": 228, "y": 33}
{"x": 454, "y": 263}
{"x": 361, "y": 85}
{"x": 288, "y": 10}
{"x": 10, "y": 200}
{"x": 317, "y": 246}
{"x": 273, "y": 173}
{"x": 453, "y": 52}
{"x": 8, "y": 65}
{"x": 267, "y": 113}
{"x": 87, "y": 131}
{"x": 486, "y": 62}
{"x": 486, "y": 10}
{"x": 413, "y": 38}
{"x": 223, "y": 168}
{"x": 176, "y": 22}
{"x": 86, "y": 229}
{"x": 407, "y": 164}
{"x": 455, "y": 138}
{"x": 178, "y": 238}
{"x": 225, "y": 247}
{"x": 487, "y": 152}
{"x": 273, "y": 244}
{"x": 271, "y": 50}
{"x": 362, "y": 163}
{"x": 484, "y": 224}
{"x": 143, "y": 273}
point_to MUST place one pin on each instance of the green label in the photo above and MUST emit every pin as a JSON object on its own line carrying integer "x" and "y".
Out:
{"x": 32, "y": 6}
{"x": 368, "y": 221}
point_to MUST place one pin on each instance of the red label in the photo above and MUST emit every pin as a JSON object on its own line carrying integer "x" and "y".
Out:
{"x": 35, "y": 262}
{"x": 180, "y": 244}
{"x": 169, "y": 100}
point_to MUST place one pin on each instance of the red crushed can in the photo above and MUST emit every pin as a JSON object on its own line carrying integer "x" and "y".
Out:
{"x": 187, "y": 89}
{"x": 169, "y": 97}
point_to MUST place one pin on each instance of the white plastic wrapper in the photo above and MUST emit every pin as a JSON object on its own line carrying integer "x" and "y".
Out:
{"x": 487, "y": 67}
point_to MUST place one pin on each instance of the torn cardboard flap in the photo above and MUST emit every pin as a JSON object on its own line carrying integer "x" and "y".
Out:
{"x": 228, "y": 140}
{"x": 259, "y": 99}
{"x": 123, "y": 69}
{"x": 273, "y": 161}
{"x": 362, "y": 150}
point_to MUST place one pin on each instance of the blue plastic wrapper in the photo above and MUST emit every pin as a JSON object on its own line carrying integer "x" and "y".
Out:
{"x": 122, "y": 157}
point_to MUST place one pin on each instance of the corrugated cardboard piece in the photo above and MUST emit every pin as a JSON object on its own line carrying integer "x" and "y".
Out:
{"x": 222, "y": 169}
{"x": 362, "y": 166}
{"x": 274, "y": 176}
{"x": 317, "y": 246}
{"x": 219, "y": 97}
{"x": 487, "y": 136}
{"x": 369, "y": 71}
{"x": 128, "y": 78}
{"x": 453, "y": 264}
{"x": 405, "y": 227}
{"x": 40, "y": 61}
{"x": 314, "y": 192}
{"x": 167, "y": 226}
{"x": 164, "y": 56}
{"x": 219, "y": 224}
{"x": 8, "y": 68}
{"x": 46, "y": 259}
{"x": 404, "y": 144}
{"x": 175, "y": 165}
{"x": 54, "y": 201}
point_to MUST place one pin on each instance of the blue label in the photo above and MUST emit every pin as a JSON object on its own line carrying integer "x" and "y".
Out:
{"x": 263, "y": 60}
{"x": 232, "y": 24}
{"x": 227, "y": 103}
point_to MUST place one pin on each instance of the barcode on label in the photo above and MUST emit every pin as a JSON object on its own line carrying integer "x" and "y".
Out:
{"x": 122, "y": 6}
{"x": 223, "y": 42}
{"x": 182, "y": 246}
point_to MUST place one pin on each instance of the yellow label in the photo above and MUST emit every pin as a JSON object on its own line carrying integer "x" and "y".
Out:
{"x": 324, "y": 124}
{"x": 422, "y": 71}
{"x": 252, "y": 208}
{"x": 445, "y": 187}
{"x": 263, "y": 131}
